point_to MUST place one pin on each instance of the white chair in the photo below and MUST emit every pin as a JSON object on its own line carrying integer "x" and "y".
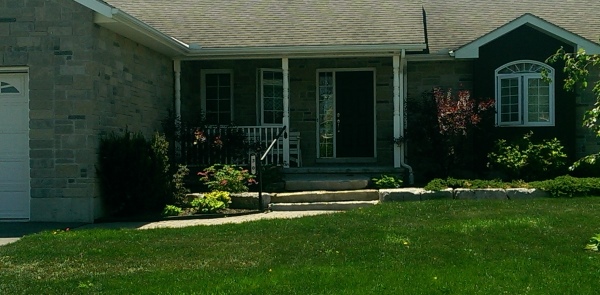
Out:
{"x": 295, "y": 151}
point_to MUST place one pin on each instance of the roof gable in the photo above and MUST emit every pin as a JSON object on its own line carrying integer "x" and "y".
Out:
{"x": 471, "y": 50}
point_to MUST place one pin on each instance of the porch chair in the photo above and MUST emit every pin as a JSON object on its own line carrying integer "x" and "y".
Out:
{"x": 295, "y": 151}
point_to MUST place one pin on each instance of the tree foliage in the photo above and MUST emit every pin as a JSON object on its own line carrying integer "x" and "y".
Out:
{"x": 577, "y": 69}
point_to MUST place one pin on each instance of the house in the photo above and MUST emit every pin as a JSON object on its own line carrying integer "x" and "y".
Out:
{"x": 336, "y": 72}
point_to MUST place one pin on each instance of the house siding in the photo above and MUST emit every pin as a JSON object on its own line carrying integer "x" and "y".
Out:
{"x": 520, "y": 44}
{"x": 84, "y": 81}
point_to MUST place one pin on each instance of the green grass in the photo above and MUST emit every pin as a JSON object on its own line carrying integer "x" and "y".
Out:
{"x": 433, "y": 247}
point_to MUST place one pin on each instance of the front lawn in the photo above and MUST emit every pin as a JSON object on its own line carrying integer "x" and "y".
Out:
{"x": 432, "y": 247}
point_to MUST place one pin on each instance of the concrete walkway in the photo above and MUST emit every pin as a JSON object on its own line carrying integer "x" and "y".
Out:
{"x": 11, "y": 232}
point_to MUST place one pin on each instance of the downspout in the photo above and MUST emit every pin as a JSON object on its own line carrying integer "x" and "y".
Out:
{"x": 403, "y": 92}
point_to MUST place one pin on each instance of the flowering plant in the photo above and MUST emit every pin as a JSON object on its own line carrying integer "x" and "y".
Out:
{"x": 227, "y": 178}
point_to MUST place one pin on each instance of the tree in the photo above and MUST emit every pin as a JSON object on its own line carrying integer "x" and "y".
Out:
{"x": 577, "y": 68}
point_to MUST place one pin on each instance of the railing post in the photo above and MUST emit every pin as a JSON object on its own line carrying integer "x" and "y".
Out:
{"x": 286, "y": 110}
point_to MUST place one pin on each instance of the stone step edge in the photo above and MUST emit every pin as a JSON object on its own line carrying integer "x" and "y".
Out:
{"x": 335, "y": 206}
{"x": 326, "y": 196}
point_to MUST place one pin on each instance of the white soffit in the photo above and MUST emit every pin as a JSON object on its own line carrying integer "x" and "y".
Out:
{"x": 471, "y": 50}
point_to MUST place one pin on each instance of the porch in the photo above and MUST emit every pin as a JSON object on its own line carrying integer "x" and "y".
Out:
{"x": 341, "y": 111}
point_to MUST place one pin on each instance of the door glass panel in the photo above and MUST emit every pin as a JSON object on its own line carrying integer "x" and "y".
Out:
{"x": 326, "y": 115}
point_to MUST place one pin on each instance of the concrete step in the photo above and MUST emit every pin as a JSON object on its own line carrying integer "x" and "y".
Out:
{"x": 326, "y": 196}
{"x": 334, "y": 206}
{"x": 327, "y": 182}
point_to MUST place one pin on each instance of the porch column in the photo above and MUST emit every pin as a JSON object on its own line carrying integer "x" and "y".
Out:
{"x": 286, "y": 111}
{"x": 177, "y": 70}
{"x": 398, "y": 76}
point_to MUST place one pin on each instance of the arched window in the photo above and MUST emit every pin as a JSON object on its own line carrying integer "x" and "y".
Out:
{"x": 523, "y": 98}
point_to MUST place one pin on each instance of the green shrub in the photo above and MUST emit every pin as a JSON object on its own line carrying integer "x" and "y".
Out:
{"x": 440, "y": 184}
{"x": 171, "y": 210}
{"x": 179, "y": 189}
{"x": 387, "y": 181}
{"x": 227, "y": 178}
{"x": 529, "y": 161}
{"x": 594, "y": 243}
{"x": 132, "y": 173}
{"x": 212, "y": 202}
{"x": 135, "y": 175}
{"x": 436, "y": 184}
{"x": 588, "y": 166}
{"x": 568, "y": 186}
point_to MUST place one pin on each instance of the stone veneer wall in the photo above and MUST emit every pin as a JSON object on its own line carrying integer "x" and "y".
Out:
{"x": 587, "y": 142}
{"x": 84, "y": 81}
{"x": 425, "y": 75}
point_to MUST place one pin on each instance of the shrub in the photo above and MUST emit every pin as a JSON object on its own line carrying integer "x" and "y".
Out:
{"x": 568, "y": 186}
{"x": 132, "y": 174}
{"x": 387, "y": 181}
{"x": 179, "y": 189}
{"x": 227, "y": 178}
{"x": 529, "y": 161}
{"x": 135, "y": 175}
{"x": 588, "y": 166}
{"x": 212, "y": 202}
{"x": 448, "y": 135}
{"x": 171, "y": 210}
{"x": 440, "y": 184}
{"x": 436, "y": 184}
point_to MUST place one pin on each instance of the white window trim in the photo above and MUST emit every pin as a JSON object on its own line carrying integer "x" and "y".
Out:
{"x": 203, "y": 89}
{"x": 523, "y": 93}
{"x": 261, "y": 96}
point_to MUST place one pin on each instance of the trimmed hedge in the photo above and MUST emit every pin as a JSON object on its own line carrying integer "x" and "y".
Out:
{"x": 559, "y": 187}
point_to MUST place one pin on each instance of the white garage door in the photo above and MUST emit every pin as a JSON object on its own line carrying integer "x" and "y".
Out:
{"x": 14, "y": 147}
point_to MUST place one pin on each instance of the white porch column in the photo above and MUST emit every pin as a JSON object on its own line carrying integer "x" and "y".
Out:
{"x": 177, "y": 70}
{"x": 286, "y": 111}
{"x": 398, "y": 76}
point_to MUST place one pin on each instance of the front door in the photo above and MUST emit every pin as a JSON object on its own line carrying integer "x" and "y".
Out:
{"x": 346, "y": 119}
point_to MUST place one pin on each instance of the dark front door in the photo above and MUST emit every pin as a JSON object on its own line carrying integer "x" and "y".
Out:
{"x": 354, "y": 114}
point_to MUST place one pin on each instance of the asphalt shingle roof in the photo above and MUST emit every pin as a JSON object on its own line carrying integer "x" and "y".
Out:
{"x": 264, "y": 23}
{"x": 258, "y": 23}
{"x": 454, "y": 23}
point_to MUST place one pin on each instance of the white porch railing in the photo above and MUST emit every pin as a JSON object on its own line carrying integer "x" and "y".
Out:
{"x": 230, "y": 145}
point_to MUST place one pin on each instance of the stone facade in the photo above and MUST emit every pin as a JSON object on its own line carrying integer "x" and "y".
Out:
{"x": 587, "y": 142}
{"x": 84, "y": 81}
{"x": 423, "y": 76}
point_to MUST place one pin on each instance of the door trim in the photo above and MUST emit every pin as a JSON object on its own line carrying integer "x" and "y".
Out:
{"x": 374, "y": 139}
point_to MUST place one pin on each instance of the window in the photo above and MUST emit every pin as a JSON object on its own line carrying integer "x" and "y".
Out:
{"x": 271, "y": 89}
{"x": 523, "y": 98}
{"x": 217, "y": 96}
{"x": 7, "y": 88}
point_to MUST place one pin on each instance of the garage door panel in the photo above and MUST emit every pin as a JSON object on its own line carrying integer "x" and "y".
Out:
{"x": 14, "y": 171}
{"x": 19, "y": 201}
{"x": 13, "y": 146}
{"x": 12, "y": 118}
